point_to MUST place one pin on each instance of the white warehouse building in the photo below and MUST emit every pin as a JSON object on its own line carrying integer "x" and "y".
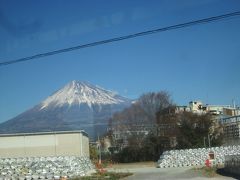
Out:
{"x": 44, "y": 144}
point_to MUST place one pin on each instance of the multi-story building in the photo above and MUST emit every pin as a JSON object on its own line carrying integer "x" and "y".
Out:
{"x": 231, "y": 129}
{"x": 200, "y": 108}
{"x": 193, "y": 106}
{"x": 196, "y": 107}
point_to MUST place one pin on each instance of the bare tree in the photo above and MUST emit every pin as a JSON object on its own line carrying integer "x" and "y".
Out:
{"x": 154, "y": 102}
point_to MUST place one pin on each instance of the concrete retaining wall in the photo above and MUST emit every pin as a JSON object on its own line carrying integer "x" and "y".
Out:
{"x": 68, "y": 143}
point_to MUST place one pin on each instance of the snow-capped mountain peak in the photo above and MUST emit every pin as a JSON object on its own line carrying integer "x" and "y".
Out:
{"x": 78, "y": 92}
{"x": 78, "y": 105}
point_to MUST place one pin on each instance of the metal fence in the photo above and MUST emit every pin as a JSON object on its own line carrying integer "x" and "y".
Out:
{"x": 232, "y": 164}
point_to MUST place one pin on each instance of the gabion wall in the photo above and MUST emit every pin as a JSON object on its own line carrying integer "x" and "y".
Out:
{"x": 195, "y": 157}
{"x": 44, "y": 167}
{"x": 232, "y": 164}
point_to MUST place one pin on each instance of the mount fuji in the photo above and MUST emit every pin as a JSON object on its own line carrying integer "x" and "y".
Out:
{"x": 78, "y": 105}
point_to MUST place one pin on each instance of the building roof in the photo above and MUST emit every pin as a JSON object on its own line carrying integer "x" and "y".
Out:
{"x": 45, "y": 133}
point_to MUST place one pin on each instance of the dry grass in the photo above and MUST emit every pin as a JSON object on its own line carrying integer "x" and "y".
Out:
{"x": 104, "y": 176}
{"x": 134, "y": 165}
{"x": 206, "y": 171}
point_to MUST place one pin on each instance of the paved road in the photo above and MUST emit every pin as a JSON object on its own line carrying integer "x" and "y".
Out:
{"x": 152, "y": 173}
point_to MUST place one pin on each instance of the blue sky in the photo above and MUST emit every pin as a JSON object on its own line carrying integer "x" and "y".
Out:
{"x": 199, "y": 62}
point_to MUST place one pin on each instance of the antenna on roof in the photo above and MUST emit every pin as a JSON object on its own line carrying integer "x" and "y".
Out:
{"x": 233, "y": 103}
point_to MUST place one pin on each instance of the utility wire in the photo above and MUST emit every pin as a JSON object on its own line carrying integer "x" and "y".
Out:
{"x": 121, "y": 38}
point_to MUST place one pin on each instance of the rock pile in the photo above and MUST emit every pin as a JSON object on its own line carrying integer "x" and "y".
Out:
{"x": 44, "y": 167}
{"x": 195, "y": 157}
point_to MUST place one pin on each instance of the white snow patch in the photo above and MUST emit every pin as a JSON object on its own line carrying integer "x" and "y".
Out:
{"x": 81, "y": 92}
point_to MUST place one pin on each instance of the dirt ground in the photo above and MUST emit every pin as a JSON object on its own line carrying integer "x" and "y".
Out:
{"x": 134, "y": 165}
{"x": 148, "y": 171}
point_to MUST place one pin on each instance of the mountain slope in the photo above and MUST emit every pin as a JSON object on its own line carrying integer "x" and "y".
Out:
{"x": 78, "y": 105}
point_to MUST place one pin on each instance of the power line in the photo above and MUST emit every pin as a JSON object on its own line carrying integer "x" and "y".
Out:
{"x": 121, "y": 38}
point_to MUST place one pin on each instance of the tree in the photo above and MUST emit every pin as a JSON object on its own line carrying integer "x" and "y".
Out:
{"x": 194, "y": 128}
{"x": 167, "y": 126}
{"x": 93, "y": 152}
{"x": 187, "y": 129}
{"x": 167, "y": 121}
{"x": 153, "y": 102}
{"x": 136, "y": 127}
{"x": 135, "y": 122}
{"x": 153, "y": 147}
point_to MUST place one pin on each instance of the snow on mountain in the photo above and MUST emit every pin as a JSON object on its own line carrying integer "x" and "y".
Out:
{"x": 77, "y": 92}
